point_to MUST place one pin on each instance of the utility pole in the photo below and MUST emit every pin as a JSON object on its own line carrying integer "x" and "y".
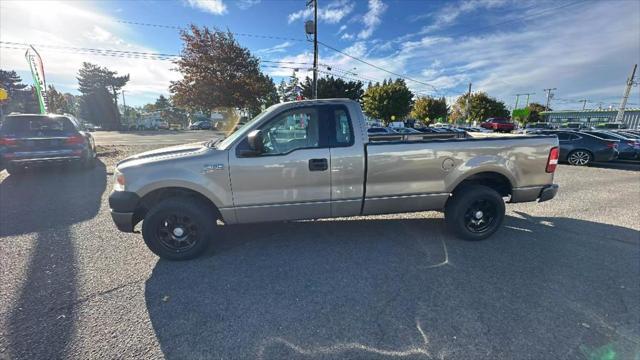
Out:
{"x": 627, "y": 90}
{"x": 518, "y": 97}
{"x": 549, "y": 96}
{"x": 124, "y": 108}
{"x": 466, "y": 107}
{"x": 584, "y": 103}
{"x": 314, "y": 89}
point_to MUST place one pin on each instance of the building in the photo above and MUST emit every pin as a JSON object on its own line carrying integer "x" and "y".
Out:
{"x": 631, "y": 116}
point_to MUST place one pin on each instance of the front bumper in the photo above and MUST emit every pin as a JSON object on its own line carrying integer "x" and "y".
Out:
{"x": 123, "y": 205}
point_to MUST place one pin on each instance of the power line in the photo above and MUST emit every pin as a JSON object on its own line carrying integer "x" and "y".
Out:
{"x": 173, "y": 27}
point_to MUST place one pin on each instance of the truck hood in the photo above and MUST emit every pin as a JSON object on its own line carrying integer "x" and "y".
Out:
{"x": 170, "y": 152}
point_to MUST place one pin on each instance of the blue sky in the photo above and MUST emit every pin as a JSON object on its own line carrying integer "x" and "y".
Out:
{"x": 585, "y": 49}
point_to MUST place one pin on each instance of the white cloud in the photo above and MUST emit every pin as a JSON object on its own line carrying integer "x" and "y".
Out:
{"x": 275, "y": 49}
{"x": 245, "y": 4}
{"x": 77, "y": 25}
{"x": 342, "y": 28}
{"x": 333, "y": 13}
{"x": 347, "y": 36}
{"x": 372, "y": 18}
{"x": 215, "y": 7}
{"x": 450, "y": 13}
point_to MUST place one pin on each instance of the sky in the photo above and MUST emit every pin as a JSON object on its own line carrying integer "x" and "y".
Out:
{"x": 584, "y": 49}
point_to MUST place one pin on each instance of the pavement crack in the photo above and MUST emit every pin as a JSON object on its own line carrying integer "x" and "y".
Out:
{"x": 93, "y": 296}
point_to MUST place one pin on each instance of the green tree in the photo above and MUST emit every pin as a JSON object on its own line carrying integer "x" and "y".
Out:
{"x": 289, "y": 91}
{"x": 330, "y": 87}
{"x": 162, "y": 103}
{"x": 59, "y": 103}
{"x": 269, "y": 96}
{"x": 391, "y": 99}
{"x": 99, "y": 86}
{"x": 20, "y": 94}
{"x": 429, "y": 109}
{"x": 216, "y": 72}
{"x": 481, "y": 107}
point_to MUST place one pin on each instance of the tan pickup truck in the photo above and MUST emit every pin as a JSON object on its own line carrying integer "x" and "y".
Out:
{"x": 313, "y": 159}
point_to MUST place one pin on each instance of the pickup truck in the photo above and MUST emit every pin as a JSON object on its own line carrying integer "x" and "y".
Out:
{"x": 313, "y": 159}
{"x": 498, "y": 125}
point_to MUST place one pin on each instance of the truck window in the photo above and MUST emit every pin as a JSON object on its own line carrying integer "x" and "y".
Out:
{"x": 295, "y": 129}
{"x": 343, "y": 131}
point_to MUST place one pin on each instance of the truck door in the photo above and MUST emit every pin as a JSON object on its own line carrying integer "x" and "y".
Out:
{"x": 291, "y": 179}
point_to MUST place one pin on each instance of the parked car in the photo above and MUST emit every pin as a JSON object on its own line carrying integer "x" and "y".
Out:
{"x": 200, "y": 125}
{"x": 628, "y": 148}
{"x": 498, "y": 124}
{"x": 248, "y": 177}
{"x": 27, "y": 140}
{"x": 406, "y": 130}
{"x": 535, "y": 128}
{"x": 575, "y": 126}
{"x": 611, "y": 125}
{"x": 380, "y": 131}
{"x": 581, "y": 149}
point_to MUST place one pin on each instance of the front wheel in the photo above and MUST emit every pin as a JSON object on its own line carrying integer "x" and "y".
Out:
{"x": 178, "y": 228}
{"x": 579, "y": 158}
{"x": 474, "y": 212}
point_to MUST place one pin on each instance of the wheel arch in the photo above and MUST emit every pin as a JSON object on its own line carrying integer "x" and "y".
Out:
{"x": 153, "y": 197}
{"x": 493, "y": 179}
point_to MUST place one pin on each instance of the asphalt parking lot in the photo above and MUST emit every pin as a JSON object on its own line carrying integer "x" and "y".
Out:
{"x": 559, "y": 281}
{"x": 157, "y": 138}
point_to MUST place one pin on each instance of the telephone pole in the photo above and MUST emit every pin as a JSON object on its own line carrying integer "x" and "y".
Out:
{"x": 314, "y": 90}
{"x": 625, "y": 97}
{"x": 124, "y": 107}
{"x": 466, "y": 106}
{"x": 549, "y": 96}
{"x": 584, "y": 103}
{"x": 518, "y": 98}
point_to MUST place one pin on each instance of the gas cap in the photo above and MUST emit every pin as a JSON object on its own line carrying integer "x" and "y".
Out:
{"x": 448, "y": 164}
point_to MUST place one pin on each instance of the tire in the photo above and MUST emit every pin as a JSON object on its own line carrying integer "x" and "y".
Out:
{"x": 579, "y": 158}
{"x": 90, "y": 161}
{"x": 463, "y": 208}
{"x": 159, "y": 228}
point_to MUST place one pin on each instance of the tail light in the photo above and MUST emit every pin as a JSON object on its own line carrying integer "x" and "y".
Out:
{"x": 552, "y": 162}
{"x": 8, "y": 142}
{"x": 74, "y": 140}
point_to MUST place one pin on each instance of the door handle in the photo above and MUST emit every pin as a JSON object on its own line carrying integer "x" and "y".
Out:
{"x": 318, "y": 164}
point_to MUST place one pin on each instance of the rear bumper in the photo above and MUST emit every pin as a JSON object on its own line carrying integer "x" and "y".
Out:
{"x": 533, "y": 193}
{"x": 42, "y": 160}
{"x": 123, "y": 221}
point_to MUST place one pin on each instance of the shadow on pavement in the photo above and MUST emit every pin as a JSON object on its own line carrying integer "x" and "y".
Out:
{"x": 47, "y": 202}
{"x": 378, "y": 289}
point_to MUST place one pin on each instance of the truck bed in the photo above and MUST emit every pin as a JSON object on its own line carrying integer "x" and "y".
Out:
{"x": 431, "y": 169}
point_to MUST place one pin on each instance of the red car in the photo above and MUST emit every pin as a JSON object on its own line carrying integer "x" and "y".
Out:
{"x": 498, "y": 124}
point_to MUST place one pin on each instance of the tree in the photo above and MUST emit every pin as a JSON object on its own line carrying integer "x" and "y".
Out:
{"x": 428, "y": 109}
{"x": 59, "y": 103}
{"x": 388, "y": 101}
{"x": 19, "y": 94}
{"x": 162, "y": 103}
{"x": 269, "y": 96}
{"x": 216, "y": 72}
{"x": 481, "y": 107}
{"x": 99, "y": 87}
{"x": 330, "y": 87}
{"x": 290, "y": 91}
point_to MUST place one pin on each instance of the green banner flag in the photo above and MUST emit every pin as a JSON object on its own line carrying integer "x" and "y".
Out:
{"x": 37, "y": 71}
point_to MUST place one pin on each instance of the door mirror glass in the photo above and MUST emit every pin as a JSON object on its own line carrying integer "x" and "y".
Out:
{"x": 256, "y": 142}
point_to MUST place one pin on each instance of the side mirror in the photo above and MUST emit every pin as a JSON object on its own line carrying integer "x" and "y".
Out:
{"x": 256, "y": 142}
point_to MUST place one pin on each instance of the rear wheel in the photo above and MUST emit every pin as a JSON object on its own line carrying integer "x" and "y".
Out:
{"x": 579, "y": 158}
{"x": 178, "y": 228}
{"x": 474, "y": 212}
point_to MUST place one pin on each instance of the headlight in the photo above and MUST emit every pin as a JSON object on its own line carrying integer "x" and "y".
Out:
{"x": 118, "y": 180}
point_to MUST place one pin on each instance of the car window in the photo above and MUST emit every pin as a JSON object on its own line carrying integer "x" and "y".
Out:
{"x": 295, "y": 129}
{"x": 37, "y": 126}
{"x": 343, "y": 133}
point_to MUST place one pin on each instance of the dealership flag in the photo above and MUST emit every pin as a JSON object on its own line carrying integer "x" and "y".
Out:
{"x": 37, "y": 70}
